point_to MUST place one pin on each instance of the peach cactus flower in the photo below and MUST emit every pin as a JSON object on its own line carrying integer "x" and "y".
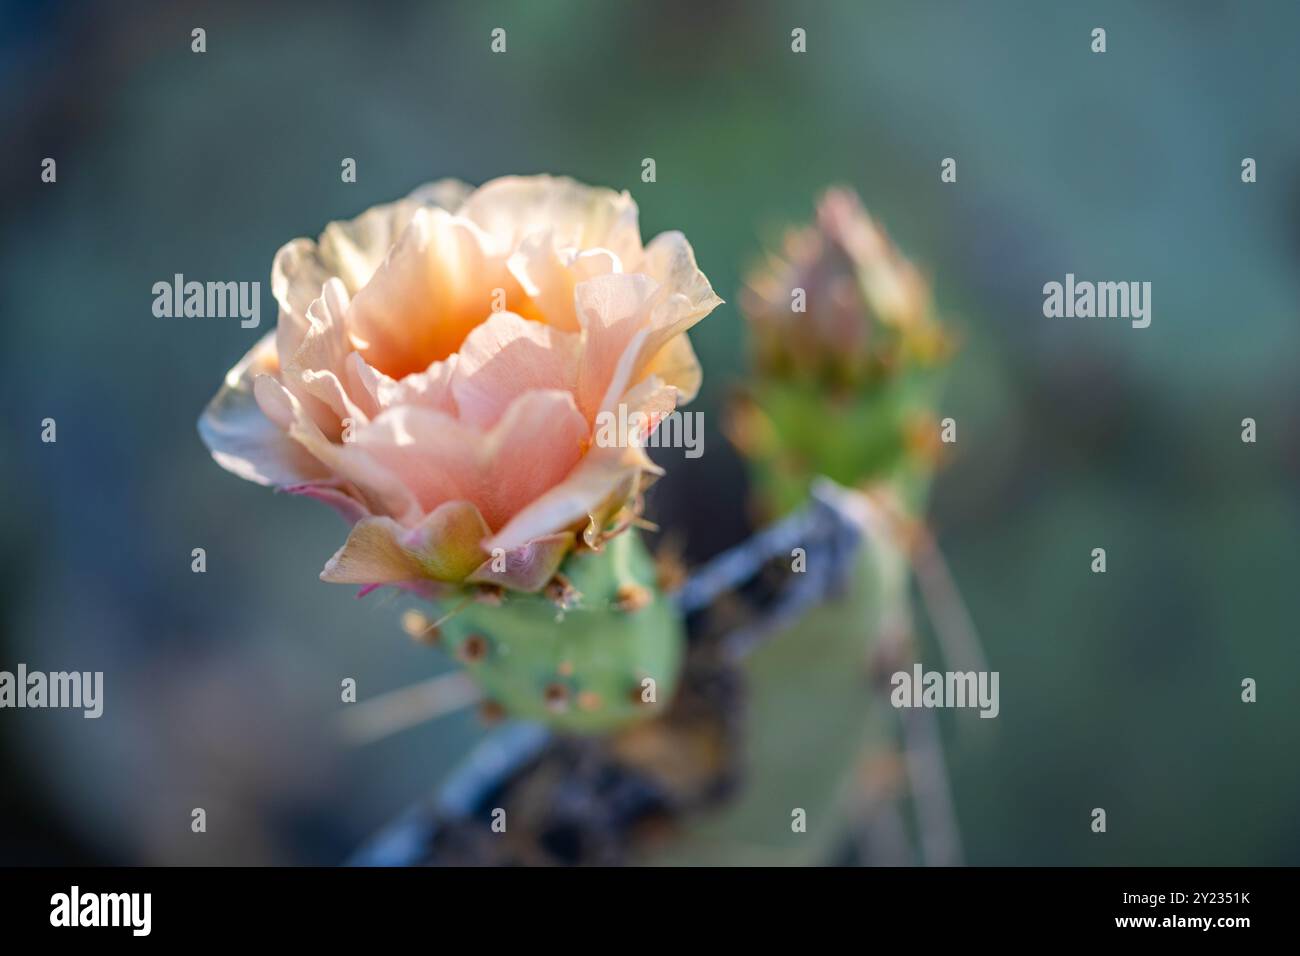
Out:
{"x": 438, "y": 367}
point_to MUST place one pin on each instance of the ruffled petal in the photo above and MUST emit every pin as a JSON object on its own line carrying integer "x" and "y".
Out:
{"x": 436, "y": 458}
{"x": 537, "y": 442}
{"x": 446, "y": 546}
{"x": 381, "y": 490}
{"x": 512, "y": 208}
{"x": 371, "y": 555}
{"x": 675, "y": 364}
{"x": 317, "y": 371}
{"x": 507, "y": 356}
{"x": 601, "y": 473}
{"x": 613, "y": 310}
{"x": 548, "y": 275}
{"x": 435, "y": 286}
{"x": 633, "y": 324}
{"x": 350, "y": 250}
{"x": 243, "y": 440}
{"x": 376, "y": 391}
{"x": 449, "y": 194}
{"x": 528, "y": 567}
{"x": 449, "y": 543}
{"x": 670, "y": 260}
{"x": 426, "y": 453}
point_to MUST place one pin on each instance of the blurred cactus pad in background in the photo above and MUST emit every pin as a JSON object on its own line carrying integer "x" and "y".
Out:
{"x": 847, "y": 351}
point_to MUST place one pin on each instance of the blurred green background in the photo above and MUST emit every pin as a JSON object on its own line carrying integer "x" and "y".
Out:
{"x": 1119, "y": 691}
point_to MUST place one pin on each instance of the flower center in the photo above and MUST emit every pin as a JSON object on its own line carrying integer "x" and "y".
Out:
{"x": 430, "y": 328}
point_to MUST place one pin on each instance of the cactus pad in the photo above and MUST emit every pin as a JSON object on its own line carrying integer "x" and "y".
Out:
{"x": 609, "y": 659}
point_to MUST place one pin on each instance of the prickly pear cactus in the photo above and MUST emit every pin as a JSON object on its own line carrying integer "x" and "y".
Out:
{"x": 848, "y": 358}
{"x": 609, "y": 657}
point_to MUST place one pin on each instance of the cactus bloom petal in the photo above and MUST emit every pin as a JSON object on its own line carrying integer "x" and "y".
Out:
{"x": 445, "y": 546}
{"x": 527, "y": 567}
{"x": 439, "y": 367}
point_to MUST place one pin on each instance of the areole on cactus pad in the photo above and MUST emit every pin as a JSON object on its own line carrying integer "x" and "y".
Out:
{"x": 610, "y": 658}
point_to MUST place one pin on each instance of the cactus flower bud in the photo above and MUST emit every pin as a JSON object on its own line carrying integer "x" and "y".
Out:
{"x": 846, "y": 346}
{"x": 839, "y": 303}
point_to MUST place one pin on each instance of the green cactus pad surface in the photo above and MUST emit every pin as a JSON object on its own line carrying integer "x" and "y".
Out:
{"x": 854, "y": 440}
{"x": 610, "y": 659}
